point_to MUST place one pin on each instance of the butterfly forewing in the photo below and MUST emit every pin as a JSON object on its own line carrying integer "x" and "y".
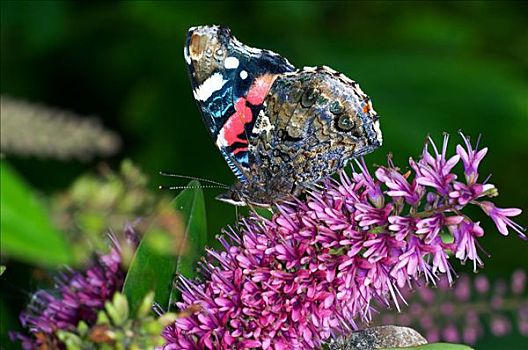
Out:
{"x": 230, "y": 81}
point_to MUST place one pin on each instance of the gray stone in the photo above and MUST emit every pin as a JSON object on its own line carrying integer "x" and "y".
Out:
{"x": 379, "y": 338}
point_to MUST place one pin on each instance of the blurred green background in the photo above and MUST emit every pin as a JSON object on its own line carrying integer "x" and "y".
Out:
{"x": 430, "y": 67}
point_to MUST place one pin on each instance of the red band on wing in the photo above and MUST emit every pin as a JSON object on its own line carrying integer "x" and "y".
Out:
{"x": 234, "y": 127}
{"x": 240, "y": 149}
{"x": 260, "y": 88}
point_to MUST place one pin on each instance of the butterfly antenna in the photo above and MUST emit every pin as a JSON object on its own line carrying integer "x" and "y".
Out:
{"x": 163, "y": 173}
{"x": 161, "y": 187}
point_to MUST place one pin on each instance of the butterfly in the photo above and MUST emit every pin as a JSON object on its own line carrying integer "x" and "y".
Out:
{"x": 279, "y": 128}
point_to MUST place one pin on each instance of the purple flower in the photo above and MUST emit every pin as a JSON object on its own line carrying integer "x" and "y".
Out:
{"x": 502, "y": 220}
{"x": 432, "y": 226}
{"x": 368, "y": 215}
{"x": 471, "y": 159}
{"x": 321, "y": 264}
{"x": 77, "y": 295}
{"x": 399, "y": 186}
{"x": 402, "y": 226}
{"x": 465, "y": 238}
{"x": 463, "y": 194}
{"x": 436, "y": 171}
{"x": 363, "y": 178}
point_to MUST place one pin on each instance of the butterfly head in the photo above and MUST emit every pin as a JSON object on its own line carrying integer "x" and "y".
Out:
{"x": 236, "y": 195}
{"x": 253, "y": 195}
{"x": 233, "y": 198}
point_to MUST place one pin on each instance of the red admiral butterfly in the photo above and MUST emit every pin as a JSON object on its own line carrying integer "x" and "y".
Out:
{"x": 279, "y": 128}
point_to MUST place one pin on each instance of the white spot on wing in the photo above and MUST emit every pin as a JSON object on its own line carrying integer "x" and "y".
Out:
{"x": 329, "y": 70}
{"x": 214, "y": 83}
{"x": 292, "y": 74}
{"x": 243, "y": 74}
{"x": 253, "y": 50}
{"x": 358, "y": 90}
{"x": 231, "y": 63}
{"x": 377, "y": 129}
{"x": 220, "y": 139}
{"x": 262, "y": 124}
{"x": 310, "y": 69}
{"x": 346, "y": 79}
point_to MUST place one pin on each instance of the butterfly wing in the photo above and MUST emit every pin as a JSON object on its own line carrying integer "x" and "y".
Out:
{"x": 230, "y": 82}
{"x": 315, "y": 120}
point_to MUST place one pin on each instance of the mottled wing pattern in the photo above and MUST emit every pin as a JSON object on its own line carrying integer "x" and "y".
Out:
{"x": 230, "y": 81}
{"x": 314, "y": 121}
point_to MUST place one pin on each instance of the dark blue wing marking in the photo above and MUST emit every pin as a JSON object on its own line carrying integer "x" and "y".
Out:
{"x": 236, "y": 170}
{"x": 217, "y": 107}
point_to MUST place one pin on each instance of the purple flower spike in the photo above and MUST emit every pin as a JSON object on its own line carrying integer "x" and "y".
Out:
{"x": 318, "y": 267}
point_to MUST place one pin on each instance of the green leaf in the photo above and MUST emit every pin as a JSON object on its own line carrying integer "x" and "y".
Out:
{"x": 27, "y": 232}
{"x": 162, "y": 254}
{"x": 70, "y": 339}
{"x": 146, "y": 306}
{"x": 117, "y": 309}
{"x": 190, "y": 203}
{"x": 436, "y": 346}
{"x": 266, "y": 213}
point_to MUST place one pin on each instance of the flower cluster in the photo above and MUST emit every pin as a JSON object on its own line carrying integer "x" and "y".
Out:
{"x": 462, "y": 313}
{"x": 320, "y": 263}
{"x": 77, "y": 296}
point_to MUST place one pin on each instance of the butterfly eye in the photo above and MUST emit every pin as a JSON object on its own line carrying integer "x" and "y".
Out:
{"x": 308, "y": 98}
{"x": 336, "y": 107}
{"x": 344, "y": 123}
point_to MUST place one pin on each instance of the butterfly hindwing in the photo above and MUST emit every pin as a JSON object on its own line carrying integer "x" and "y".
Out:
{"x": 315, "y": 121}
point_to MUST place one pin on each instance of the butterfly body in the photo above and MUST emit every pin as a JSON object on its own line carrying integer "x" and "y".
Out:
{"x": 279, "y": 129}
